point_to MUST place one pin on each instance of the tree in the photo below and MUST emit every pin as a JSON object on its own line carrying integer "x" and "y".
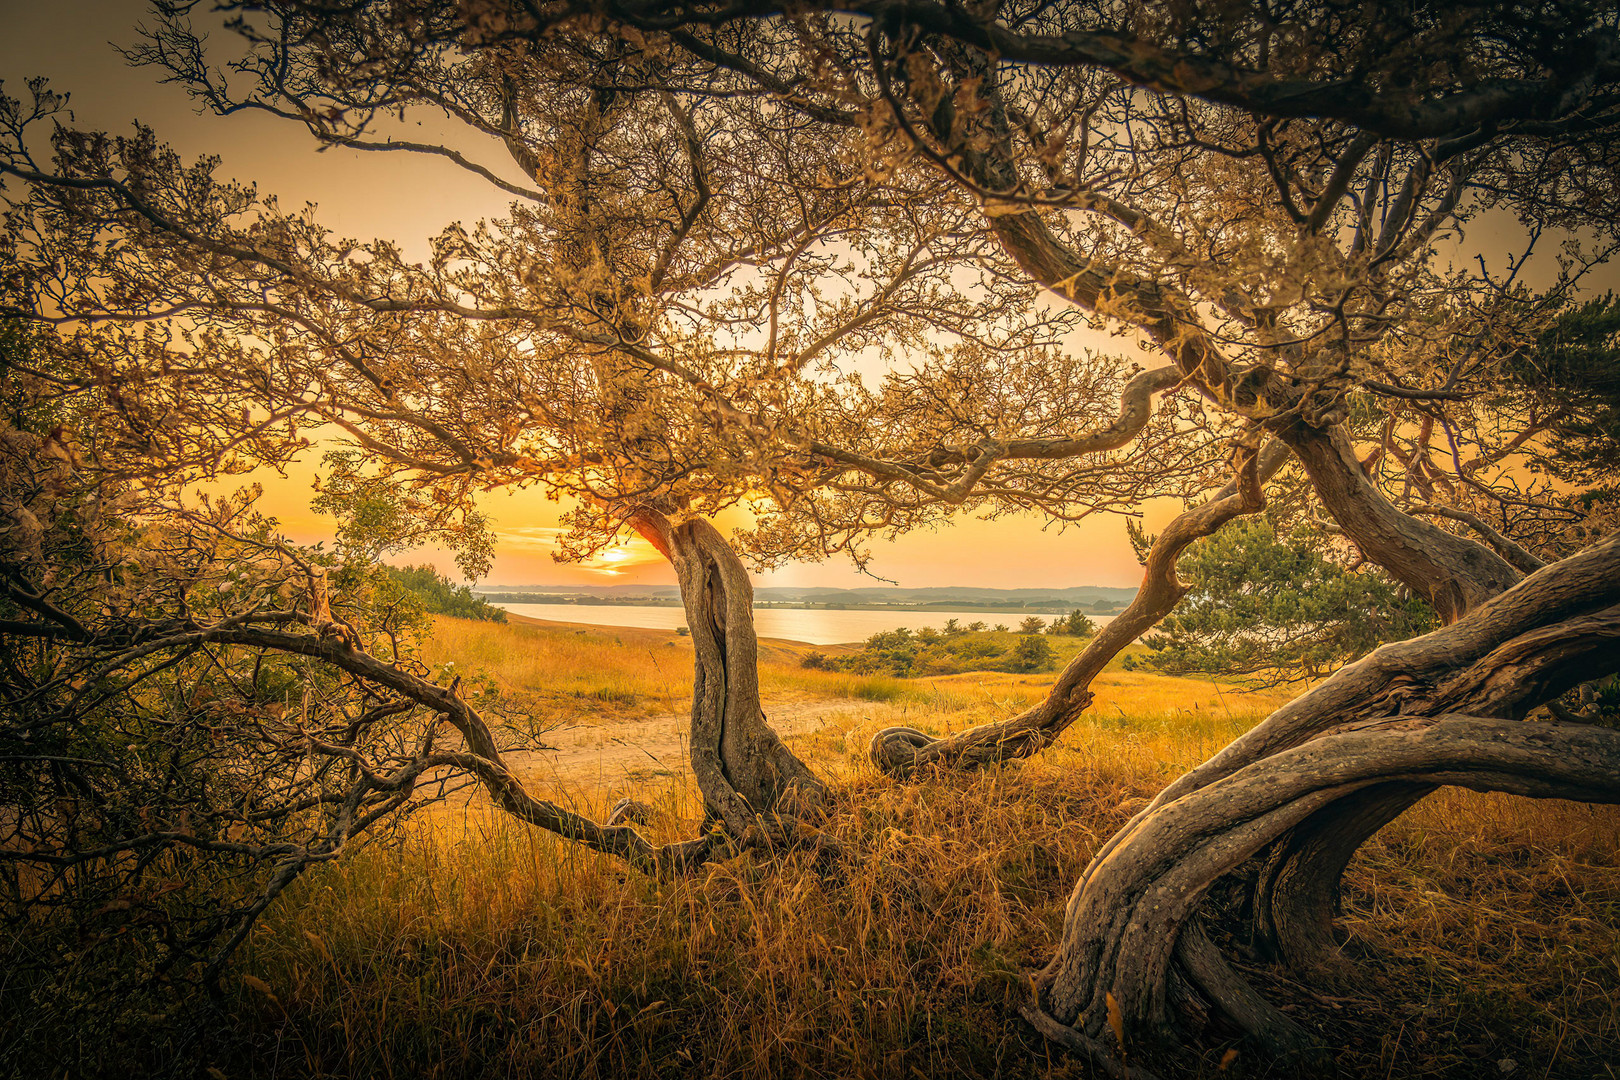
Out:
{"x": 674, "y": 416}
{"x": 1573, "y": 364}
{"x": 1074, "y": 624}
{"x": 1276, "y": 608}
{"x": 1265, "y": 218}
{"x": 1325, "y": 246}
{"x": 1032, "y": 624}
{"x": 1032, "y": 653}
{"x": 431, "y": 361}
{"x": 196, "y": 711}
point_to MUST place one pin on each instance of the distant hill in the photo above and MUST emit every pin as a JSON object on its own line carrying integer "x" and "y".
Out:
{"x": 938, "y": 596}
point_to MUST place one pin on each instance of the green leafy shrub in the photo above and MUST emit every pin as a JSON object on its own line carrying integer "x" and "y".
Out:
{"x": 440, "y": 596}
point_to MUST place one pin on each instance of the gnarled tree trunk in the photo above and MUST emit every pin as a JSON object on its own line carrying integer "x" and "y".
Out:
{"x": 1309, "y": 784}
{"x": 902, "y": 750}
{"x": 748, "y": 776}
{"x": 1454, "y": 574}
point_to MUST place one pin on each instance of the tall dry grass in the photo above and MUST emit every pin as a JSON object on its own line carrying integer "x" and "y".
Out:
{"x": 585, "y": 674}
{"x": 1485, "y": 927}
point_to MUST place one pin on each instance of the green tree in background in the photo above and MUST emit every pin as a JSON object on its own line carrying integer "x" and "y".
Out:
{"x": 1573, "y": 368}
{"x": 440, "y": 596}
{"x": 1075, "y": 624}
{"x": 1276, "y": 608}
{"x": 1031, "y": 654}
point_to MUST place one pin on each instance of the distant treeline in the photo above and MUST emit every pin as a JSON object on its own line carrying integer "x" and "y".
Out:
{"x": 440, "y": 596}
{"x": 553, "y": 598}
{"x": 1094, "y": 607}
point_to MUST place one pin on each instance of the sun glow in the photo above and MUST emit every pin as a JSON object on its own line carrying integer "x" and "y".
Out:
{"x": 614, "y": 559}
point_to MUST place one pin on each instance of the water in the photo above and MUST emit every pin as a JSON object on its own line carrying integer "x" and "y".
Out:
{"x": 818, "y": 626}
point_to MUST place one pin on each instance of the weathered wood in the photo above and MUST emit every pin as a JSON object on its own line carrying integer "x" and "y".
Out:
{"x": 1312, "y": 782}
{"x": 1295, "y": 895}
{"x": 903, "y": 750}
{"x": 1454, "y": 574}
{"x": 747, "y": 775}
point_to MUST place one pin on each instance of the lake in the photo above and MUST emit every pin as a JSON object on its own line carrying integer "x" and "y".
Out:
{"x": 818, "y": 626}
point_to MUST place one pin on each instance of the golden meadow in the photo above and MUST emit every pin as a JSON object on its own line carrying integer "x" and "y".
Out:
{"x": 1485, "y": 927}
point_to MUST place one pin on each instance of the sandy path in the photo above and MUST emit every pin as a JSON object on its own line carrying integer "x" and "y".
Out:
{"x": 612, "y": 752}
{"x": 637, "y": 756}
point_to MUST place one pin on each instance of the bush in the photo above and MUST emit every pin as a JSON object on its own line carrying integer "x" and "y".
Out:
{"x": 1031, "y": 654}
{"x": 903, "y": 654}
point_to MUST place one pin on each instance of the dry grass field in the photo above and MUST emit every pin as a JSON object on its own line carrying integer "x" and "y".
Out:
{"x": 1486, "y": 929}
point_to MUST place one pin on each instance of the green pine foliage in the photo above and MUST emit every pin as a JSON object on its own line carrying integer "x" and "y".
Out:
{"x": 1575, "y": 363}
{"x": 1276, "y": 609}
{"x": 440, "y": 596}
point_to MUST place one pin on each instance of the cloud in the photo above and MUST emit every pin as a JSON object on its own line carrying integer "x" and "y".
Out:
{"x": 530, "y": 537}
{"x": 611, "y": 562}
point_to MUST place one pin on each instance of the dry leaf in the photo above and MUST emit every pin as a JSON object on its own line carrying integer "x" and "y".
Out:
{"x": 1227, "y": 1059}
{"x": 1116, "y": 1019}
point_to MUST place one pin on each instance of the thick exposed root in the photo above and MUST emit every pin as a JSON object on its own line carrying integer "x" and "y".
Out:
{"x": 1302, "y": 791}
{"x": 901, "y": 751}
{"x": 1295, "y": 893}
{"x": 1128, "y": 922}
{"x": 1110, "y": 1061}
{"x": 1226, "y": 990}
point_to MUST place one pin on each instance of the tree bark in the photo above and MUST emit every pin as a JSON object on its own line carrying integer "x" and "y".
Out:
{"x": 1307, "y": 786}
{"x": 901, "y": 751}
{"x": 750, "y": 780}
{"x": 1295, "y": 894}
{"x": 1454, "y": 574}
